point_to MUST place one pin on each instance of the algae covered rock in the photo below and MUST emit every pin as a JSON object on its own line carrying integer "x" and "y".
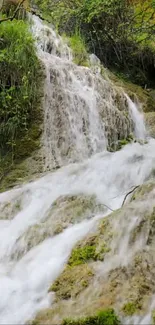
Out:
{"x": 72, "y": 281}
{"x": 150, "y": 123}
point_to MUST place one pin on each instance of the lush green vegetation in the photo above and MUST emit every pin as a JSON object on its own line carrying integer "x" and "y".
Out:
{"x": 87, "y": 252}
{"x": 105, "y": 317}
{"x": 20, "y": 81}
{"x": 120, "y": 32}
{"x": 79, "y": 49}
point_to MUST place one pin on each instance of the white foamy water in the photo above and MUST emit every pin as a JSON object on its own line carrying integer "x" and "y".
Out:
{"x": 138, "y": 119}
{"x": 73, "y": 131}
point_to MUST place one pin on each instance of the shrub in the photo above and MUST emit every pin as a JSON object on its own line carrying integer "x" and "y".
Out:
{"x": 20, "y": 80}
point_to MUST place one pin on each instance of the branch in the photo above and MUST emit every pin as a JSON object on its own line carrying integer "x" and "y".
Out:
{"x": 107, "y": 207}
{"x": 129, "y": 193}
{"x": 14, "y": 14}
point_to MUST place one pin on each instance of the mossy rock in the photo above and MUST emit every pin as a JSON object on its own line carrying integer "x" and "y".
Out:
{"x": 143, "y": 191}
{"x": 130, "y": 308}
{"x": 135, "y": 92}
{"x": 65, "y": 211}
{"x": 75, "y": 206}
{"x": 150, "y": 123}
{"x": 72, "y": 281}
{"x": 102, "y": 317}
{"x": 92, "y": 248}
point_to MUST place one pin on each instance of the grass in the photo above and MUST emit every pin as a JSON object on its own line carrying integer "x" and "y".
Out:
{"x": 104, "y": 317}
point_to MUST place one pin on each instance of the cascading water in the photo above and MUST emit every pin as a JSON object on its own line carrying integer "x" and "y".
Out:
{"x": 137, "y": 117}
{"x": 74, "y": 103}
{"x": 83, "y": 111}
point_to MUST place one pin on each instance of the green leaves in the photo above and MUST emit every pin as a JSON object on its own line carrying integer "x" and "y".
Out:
{"x": 19, "y": 75}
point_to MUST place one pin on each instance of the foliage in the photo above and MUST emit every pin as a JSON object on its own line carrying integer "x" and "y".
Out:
{"x": 20, "y": 80}
{"x": 79, "y": 49}
{"x": 119, "y": 32}
{"x": 104, "y": 317}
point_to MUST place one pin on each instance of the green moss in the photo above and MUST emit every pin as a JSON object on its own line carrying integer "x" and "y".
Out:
{"x": 93, "y": 249}
{"x": 101, "y": 251}
{"x": 104, "y": 317}
{"x": 72, "y": 281}
{"x": 123, "y": 142}
{"x": 81, "y": 255}
{"x": 120, "y": 143}
{"x": 143, "y": 190}
{"x": 130, "y": 308}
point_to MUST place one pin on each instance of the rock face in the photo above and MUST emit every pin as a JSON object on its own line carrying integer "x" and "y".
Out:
{"x": 120, "y": 271}
{"x": 150, "y": 123}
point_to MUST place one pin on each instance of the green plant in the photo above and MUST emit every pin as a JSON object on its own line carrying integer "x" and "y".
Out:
{"x": 125, "y": 29}
{"x": 104, "y": 317}
{"x": 79, "y": 49}
{"x": 21, "y": 76}
{"x": 20, "y": 82}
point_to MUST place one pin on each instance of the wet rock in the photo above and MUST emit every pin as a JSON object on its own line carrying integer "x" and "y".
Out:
{"x": 124, "y": 279}
{"x": 150, "y": 123}
{"x": 64, "y": 212}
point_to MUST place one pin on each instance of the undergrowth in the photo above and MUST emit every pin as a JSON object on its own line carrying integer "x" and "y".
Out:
{"x": 21, "y": 76}
{"x": 78, "y": 46}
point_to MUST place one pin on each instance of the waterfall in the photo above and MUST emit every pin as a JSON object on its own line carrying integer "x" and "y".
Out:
{"x": 138, "y": 119}
{"x": 82, "y": 111}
